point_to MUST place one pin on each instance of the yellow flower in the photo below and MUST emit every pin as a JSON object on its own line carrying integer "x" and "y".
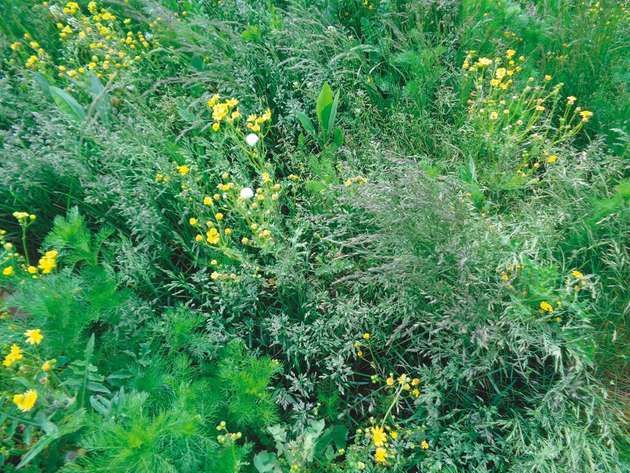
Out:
{"x": 552, "y": 158}
{"x": 26, "y": 401}
{"x": 390, "y": 380}
{"x": 193, "y": 221}
{"x": 548, "y": 77}
{"x": 379, "y": 436}
{"x": 213, "y": 100}
{"x": 500, "y": 73}
{"x": 394, "y": 434}
{"x": 48, "y": 365}
{"x": 218, "y": 216}
{"x": 380, "y": 455}
{"x": 571, "y": 100}
{"x": 219, "y": 111}
{"x": 586, "y": 115}
{"x": 34, "y": 336}
{"x": 510, "y": 53}
{"x": 207, "y": 200}
{"x": 8, "y": 271}
{"x": 416, "y": 392}
{"x": 424, "y": 445}
{"x": 32, "y": 269}
{"x": 213, "y": 236}
{"x": 415, "y": 381}
{"x": 546, "y": 307}
{"x": 216, "y": 126}
{"x": 494, "y": 115}
{"x": 48, "y": 262}
{"x": 198, "y": 237}
{"x": 15, "y": 46}
{"x": 14, "y": 355}
{"x": 183, "y": 170}
{"x": 577, "y": 274}
{"x": 484, "y": 61}
{"x": 366, "y": 336}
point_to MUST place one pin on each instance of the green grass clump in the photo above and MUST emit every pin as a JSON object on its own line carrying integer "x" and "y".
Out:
{"x": 314, "y": 236}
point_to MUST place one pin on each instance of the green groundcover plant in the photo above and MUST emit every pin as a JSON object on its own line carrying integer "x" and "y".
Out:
{"x": 314, "y": 236}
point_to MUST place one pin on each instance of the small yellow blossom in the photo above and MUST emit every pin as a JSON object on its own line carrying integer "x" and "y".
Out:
{"x": 14, "y": 355}
{"x": 366, "y": 336}
{"x": 193, "y": 221}
{"x": 218, "y": 216}
{"x": 546, "y": 307}
{"x": 26, "y": 401}
{"x": 213, "y": 236}
{"x": 183, "y": 170}
{"x": 552, "y": 158}
{"x": 424, "y": 445}
{"x": 48, "y": 365}
{"x": 380, "y": 455}
{"x": 34, "y": 336}
{"x": 577, "y": 274}
{"x": 8, "y": 271}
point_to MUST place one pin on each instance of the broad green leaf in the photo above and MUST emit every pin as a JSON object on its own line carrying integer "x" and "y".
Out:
{"x": 67, "y": 103}
{"x": 307, "y": 124}
{"x": 324, "y": 105}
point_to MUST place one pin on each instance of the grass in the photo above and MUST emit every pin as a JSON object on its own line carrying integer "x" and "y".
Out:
{"x": 314, "y": 236}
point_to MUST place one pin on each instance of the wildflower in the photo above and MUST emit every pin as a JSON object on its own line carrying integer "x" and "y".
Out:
{"x": 193, "y": 221}
{"x": 552, "y": 158}
{"x": 293, "y": 177}
{"x": 484, "y": 61}
{"x": 15, "y": 46}
{"x": 546, "y": 307}
{"x": 26, "y": 401}
{"x": 586, "y": 115}
{"x": 213, "y": 236}
{"x": 366, "y": 336}
{"x": 48, "y": 365}
{"x": 494, "y": 115}
{"x": 244, "y": 240}
{"x": 14, "y": 355}
{"x": 34, "y": 336}
{"x": 218, "y": 216}
{"x": 213, "y": 100}
{"x": 571, "y": 100}
{"x": 510, "y": 53}
{"x": 577, "y": 274}
{"x": 32, "y": 270}
{"x": 246, "y": 193}
{"x": 216, "y": 126}
{"x": 183, "y": 170}
{"x": 207, "y": 200}
{"x": 198, "y": 237}
{"x": 48, "y": 262}
{"x": 227, "y": 231}
{"x": 20, "y": 216}
{"x": 394, "y": 434}
{"x": 416, "y": 392}
{"x": 548, "y": 77}
{"x": 8, "y": 271}
{"x": 390, "y": 380}
{"x": 500, "y": 73}
{"x": 214, "y": 276}
{"x": 540, "y": 108}
{"x": 424, "y": 445}
{"x": 380, "y": 455}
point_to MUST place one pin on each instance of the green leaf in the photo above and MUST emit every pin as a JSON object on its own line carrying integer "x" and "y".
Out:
{"x": 307, "y": 124}
{"x": 323, "y": 106}
{"x": 42, "y": 82}
{"x": 266, "y": 462}
{"x": 101, "y": 100}
{"x": 67, "y": 103}
{"x": 333, "y": 114}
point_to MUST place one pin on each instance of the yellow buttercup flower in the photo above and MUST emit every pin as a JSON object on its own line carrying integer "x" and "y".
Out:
{"x": 14, "y": 355}
{"x": 25, "y": 401}
{"x": 379, "y": 436}
{"x": 424, "y": 445}
{"x": 546, "y": 307}
{"x": 183, "y": 170}
{"x": 34, "y": 336}
{"x": 380, "y": 455}
{"x": 48, "y": 365}
{"x": 213, "y": 236}
{"x": 8, "y": 271}
{"x": 48, "y": 262}
{"x": 577, "y": 274}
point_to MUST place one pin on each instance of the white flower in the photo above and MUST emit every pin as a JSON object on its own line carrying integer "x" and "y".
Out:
{"x": 247, "y": 193}
{"x": 252, "y": 139}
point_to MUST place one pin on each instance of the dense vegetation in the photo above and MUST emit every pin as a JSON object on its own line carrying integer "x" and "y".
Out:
{"x": 314, "y": 236}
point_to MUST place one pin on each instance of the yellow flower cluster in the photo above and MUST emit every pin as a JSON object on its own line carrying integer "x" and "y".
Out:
{"x": 223, "y": 111}
{"x": 98, "y": 35}
{"x": 507, "y": 109}
{"x": 254, "y": 122}
{"x": 48, "y": 262}
{"x": 14, "y": 355}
